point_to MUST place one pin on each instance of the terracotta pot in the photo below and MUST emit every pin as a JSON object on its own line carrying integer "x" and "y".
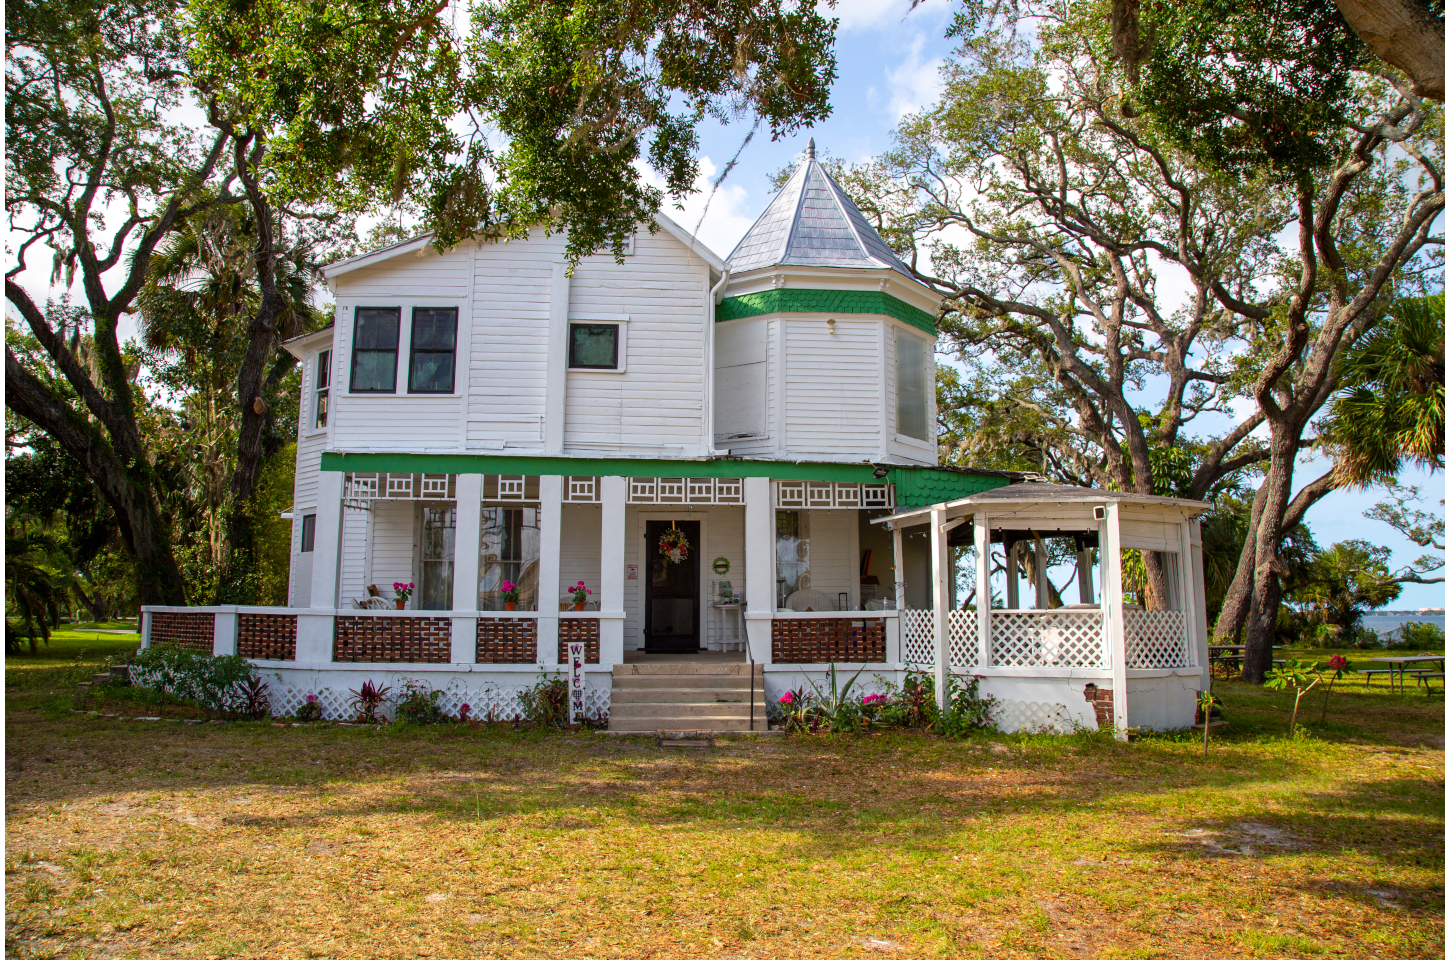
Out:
{"x": 579, "y": 606}
{"x": 402, "y": 604}
{"x": 509, "y": 604}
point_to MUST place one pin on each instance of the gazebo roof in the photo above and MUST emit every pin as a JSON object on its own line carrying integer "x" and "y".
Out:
{"x": 1028, "y": 498}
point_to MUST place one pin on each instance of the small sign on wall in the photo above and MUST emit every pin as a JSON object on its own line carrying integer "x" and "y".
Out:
{"x": 631, "y": 571}
{"x": 576, "y": 682}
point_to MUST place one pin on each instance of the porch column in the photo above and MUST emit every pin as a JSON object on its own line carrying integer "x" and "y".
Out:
{"x": 611, "y": 569}
{"x": 759, "y": 567}
{"x": 327, "y": 540}
{"x": 983, "y": 536}
{"x": 551, "y": 511}
{"x": 467, "y": 521}
{"x": 1039, "y": 567}
{"x": 898, "y": 571}
{"x": 1188, "y": 590}
{"x": 941, "y": 598}
{"x": 1112, "y": 567}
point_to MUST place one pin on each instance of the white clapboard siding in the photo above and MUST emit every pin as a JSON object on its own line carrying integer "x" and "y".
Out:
{"x": 392, "y": 545}
{"x": 354, "y": 554}
{"x": 835, "y": 557}
{"x": 579, "y": 548}
{"x": 764, "y": 381}
{"x": 510, "y": 340}
{"x": 310, "y": 445}
{"x": 832, "y": 407}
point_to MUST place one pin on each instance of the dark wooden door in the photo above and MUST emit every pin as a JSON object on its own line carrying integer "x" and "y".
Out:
{"x": 672, "y": 591}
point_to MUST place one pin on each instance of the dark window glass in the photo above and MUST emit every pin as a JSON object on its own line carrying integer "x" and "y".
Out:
{"x": 375, "y": 350}
{"x": 594, "y": 346}
{"x": 309, "y": 531}
{"x": 324, "y": 380}
{"x": 430, "y": 363}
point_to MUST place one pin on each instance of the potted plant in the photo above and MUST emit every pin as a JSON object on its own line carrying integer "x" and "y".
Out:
{"x": 581, "y": 593}
{"x": 402, "y": 591}
{"x": 510, "y": 591}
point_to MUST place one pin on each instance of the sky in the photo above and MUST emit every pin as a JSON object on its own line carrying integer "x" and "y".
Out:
{"x": 888, "y": 58}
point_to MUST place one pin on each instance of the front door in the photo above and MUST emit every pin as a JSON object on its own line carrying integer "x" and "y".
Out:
{"x": 672, "y": 592}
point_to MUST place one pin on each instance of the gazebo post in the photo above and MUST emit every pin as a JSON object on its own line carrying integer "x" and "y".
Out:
{"x": 898, "y": 550}
{"x": 1039, "y": 568}
{"x": 1084, "y": 575}
{"x": 1112, "y": 566}
{"x": 982, "y": 534}
{"x": 940, "y": 570}
{"x": 1013, "y": 601}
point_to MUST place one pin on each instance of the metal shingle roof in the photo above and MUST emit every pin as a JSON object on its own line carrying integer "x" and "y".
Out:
{"x": 812, "y": 223}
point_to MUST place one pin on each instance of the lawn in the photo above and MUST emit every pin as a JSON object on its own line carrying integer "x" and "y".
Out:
{"x": 252, "y": 840}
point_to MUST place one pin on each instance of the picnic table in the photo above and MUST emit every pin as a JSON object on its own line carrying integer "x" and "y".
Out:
{"x": 1227, "y": 654}
{"x": 1398, "y": 664}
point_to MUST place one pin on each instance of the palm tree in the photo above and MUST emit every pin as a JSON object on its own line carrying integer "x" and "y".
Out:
{"x": 1391, "y": 405}
{"x": 38, "y": 576}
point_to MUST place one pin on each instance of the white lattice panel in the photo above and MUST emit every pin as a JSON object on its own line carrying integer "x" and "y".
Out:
{"x": 918, "y": 643}
{"x": 1031, "y": 716}
{"x": 502, "y": 699}
{"x": 1156, "y": 639}
{"x": 1046, "y": 638}
{"x": 582, "y": 490}
{"x": 962, "y": 633}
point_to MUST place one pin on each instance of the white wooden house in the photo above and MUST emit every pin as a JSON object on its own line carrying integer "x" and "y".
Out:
{"x": 484, "y": 415}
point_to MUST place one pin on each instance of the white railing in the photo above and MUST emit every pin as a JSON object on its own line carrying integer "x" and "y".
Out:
{"x": 962, "y": 639}
{"x": 918, "y": 637}
{"x": 1157, "y": 639}
{"x": 1047, "y": 638}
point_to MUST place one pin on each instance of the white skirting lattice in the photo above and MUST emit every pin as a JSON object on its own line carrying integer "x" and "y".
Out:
{"x": 1031, "y": 716}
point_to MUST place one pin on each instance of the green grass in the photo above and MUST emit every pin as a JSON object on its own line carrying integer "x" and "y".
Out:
{"x": 250, "y": 840}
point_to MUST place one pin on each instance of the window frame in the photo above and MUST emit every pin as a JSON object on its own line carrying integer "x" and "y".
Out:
{"x": 353, "y": 347}
{"x": 321, "y": 367}
{"x": 414, "y": 352}
{"x": 307, "y": 537}
{"x": 621, "y": 342}
{"x": 928, "y": 388}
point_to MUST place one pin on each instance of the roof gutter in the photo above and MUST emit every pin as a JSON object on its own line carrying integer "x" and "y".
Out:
{"x": 717, "y": 293}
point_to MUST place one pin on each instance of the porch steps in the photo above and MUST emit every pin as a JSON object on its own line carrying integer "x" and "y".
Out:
{"x": 667, "y": 697}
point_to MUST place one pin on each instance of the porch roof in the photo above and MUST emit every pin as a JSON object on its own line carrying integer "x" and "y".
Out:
{"x": 1047, "y": 499}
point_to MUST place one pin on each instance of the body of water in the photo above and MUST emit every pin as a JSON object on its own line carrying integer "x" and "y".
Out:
{"x": 1386, "y": 623}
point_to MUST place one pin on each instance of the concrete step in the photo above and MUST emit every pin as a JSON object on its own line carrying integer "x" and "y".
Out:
{"x": 689, "y": 695}
{"x": 704, "y": 725}
{"x": 686, "y": 669}
{"x": 684, "y": 682}
{"x": 681, "y": 710}
{"x": 100, "y": 677}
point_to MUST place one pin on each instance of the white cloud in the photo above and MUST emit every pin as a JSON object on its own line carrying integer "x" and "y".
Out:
{"x": 730, "y": 211}
{"x": 863, "y": 14}
{"x": 916, "y": 82}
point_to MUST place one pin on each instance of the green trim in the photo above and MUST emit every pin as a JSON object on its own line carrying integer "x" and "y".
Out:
{"x": 824, "y": 301}
{"x": 915, "y": 486}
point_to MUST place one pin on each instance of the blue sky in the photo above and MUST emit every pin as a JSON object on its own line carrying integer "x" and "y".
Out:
{"x": 888, "y": 58}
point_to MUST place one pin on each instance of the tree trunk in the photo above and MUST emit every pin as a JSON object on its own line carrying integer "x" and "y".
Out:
{"x": 96, "y": 607}
{"x": 1236, "y": 601}
{"x": 126, "y": 487}
{"x": 1157, "y": 598}
{"x": 1267, "y": 537}
{"x": 1403, "y": 33}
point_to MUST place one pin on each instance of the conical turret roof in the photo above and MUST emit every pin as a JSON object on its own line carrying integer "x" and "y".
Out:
{"x": 812, "y": 223}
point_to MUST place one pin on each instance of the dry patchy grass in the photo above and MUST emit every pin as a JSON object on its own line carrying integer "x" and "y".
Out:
{"x": 249, "y": 840}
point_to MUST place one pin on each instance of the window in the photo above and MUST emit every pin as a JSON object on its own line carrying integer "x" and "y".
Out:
{"x": 375, "y": 350}
{"x": 792, "y": 554}
{"x": 319, "y": 396}
{"x": 594, "y": 346}
{"x": 508, "y": 550}
{"x": 430, "y": 354}
{"x": 913, "y": 383}
{"x": 309, "y": 532}
{"x": 439, "y": 527}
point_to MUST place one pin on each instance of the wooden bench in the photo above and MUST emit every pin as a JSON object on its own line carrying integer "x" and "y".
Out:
{"x": 1427, "y": 676}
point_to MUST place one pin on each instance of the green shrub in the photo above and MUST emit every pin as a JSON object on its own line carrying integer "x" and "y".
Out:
{"x": 1417, "y": 636}
{"x": 218, "y": 685}
{"x": 546, "y": 703}
{"x": 418, "y": 703}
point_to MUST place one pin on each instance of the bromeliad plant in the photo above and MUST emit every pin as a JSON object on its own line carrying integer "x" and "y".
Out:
{"x": 368, "y": 700}
{"x": 1340, "y": 666}
{"x": 1302, "y": 675}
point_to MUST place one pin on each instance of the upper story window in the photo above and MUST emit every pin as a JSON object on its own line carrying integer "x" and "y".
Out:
{"x": 375, "y": 350}
{"x": 913, "y": 385}
{"x": 309, "y": 532}
{"x": 594, "y": 346}
{"x": 319, "y": 394}
{"x": 431, "y": 349}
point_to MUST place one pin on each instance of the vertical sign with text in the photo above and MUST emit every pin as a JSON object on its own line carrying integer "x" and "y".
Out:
{"x": 576, "y": 682}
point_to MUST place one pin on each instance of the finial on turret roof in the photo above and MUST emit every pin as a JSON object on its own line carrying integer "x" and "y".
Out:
{"x": 811, "y": 148}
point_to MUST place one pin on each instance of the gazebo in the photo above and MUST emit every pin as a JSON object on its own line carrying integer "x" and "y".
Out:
{"x": 1098, "y": 661}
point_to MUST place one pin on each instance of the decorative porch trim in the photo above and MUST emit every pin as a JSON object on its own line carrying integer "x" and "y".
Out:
{"x": 791, "y": 300}
{"x": 828, "y": 640}
{"x": 393, "y": 640}
{"x": 193, "y": 631}
{"x": 267, "y": 636}
{"x": 583, "y": 630}
{"x": 507, "y": 640}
